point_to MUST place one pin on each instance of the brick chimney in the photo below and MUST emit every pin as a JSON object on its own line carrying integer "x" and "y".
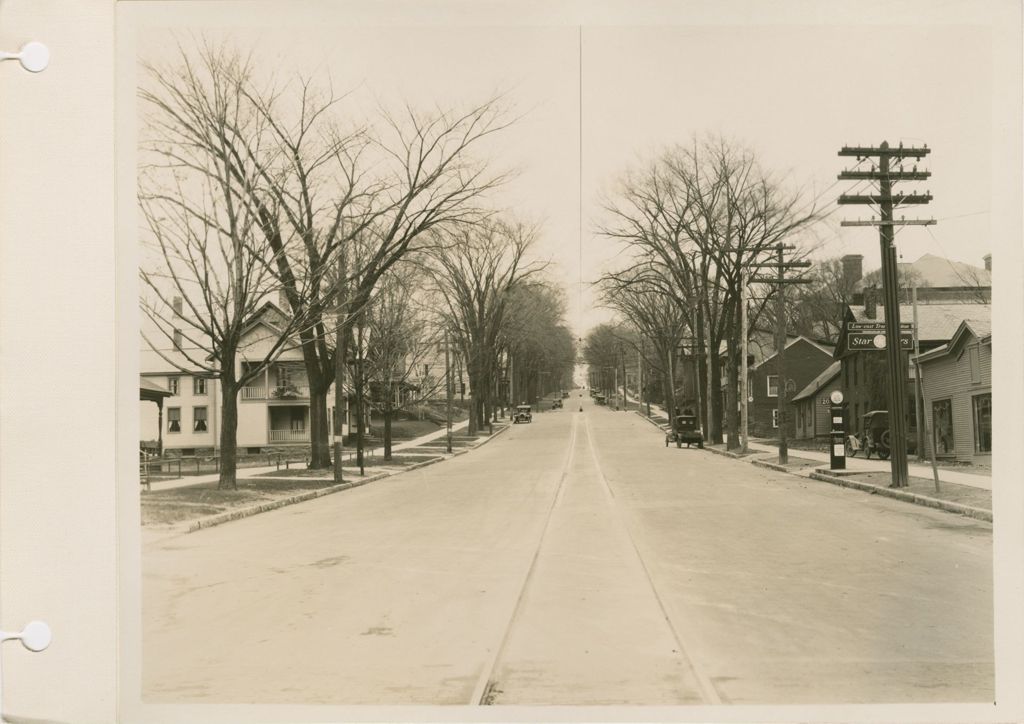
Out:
{"x": 869, "y": 302}
{"x": 988, "y": 262}
{"x": 853, "y": 268}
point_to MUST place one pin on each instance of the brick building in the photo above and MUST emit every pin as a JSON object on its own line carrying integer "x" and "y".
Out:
{"x": 805, "y": 361}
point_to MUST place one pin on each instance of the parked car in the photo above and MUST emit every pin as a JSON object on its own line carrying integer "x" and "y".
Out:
{"x": 523, "y": 414}
{"x": 875, "y": 438}
{"x": 556, "y": 404}
{"x": 685, "y": 428}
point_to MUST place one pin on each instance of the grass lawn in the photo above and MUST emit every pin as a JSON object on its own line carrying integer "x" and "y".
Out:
{"x": 952, "y": 492}
{"x": 177, "y": 505}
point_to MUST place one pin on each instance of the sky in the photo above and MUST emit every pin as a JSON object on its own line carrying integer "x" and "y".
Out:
{"x": 593, "y": 99}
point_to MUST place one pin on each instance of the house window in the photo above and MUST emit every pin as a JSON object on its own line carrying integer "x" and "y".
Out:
{"x": 942, "y": 424}
{"x": 775, "y": 418}
{"x": 198, "y": 385}
{"x": 173, "y": 419}
{"x": 172, "y": 385}
{"x": 198, "y": 419}
{"x": 284, "y": 377}
{"x": 974, "y": 358}
{"x": 982, "y": 405}
{"x": 773, "y": 386}
{"x": 298, "y": 419}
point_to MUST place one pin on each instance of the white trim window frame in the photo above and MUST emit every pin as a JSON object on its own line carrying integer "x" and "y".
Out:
{"x": 770, "y": 387}
{"x": 199, "y": 387}
{"x": 173, "y": 420}
{"x": 199, "y": 419}
{"x": 775, "y": 418}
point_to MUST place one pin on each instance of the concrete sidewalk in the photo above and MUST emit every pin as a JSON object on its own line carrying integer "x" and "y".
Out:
{"x": 974, "y": 480}
{"x": 244, "y": 473}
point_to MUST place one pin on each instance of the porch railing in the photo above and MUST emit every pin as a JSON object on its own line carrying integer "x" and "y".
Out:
{"x": 254, "y": 393}
{"x": 289, "y": 436}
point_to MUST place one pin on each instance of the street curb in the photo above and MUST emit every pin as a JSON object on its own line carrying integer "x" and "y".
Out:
{"x": 924, "y": 500}
{"x": 252, "y": 510}
{"x": 228, "y": 516}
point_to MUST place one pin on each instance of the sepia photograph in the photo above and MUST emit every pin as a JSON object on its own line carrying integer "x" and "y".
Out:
{"x": 499, "y": 361}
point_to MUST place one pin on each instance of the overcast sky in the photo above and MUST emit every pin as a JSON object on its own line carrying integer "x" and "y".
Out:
{"x": 596, "y": 99}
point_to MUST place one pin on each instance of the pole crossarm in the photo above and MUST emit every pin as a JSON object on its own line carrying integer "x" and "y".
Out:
{"x": 773, "y": 280}
{"x": 897, "y": 222}
{"x": 785, "y": 264}
{"x": 876, "y": 176}
{"x": 899, "y": 151}
{"x": 894, "y": 199}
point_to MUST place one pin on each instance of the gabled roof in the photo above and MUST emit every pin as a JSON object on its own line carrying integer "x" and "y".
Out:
{"x": 980, "y": 328}
{"x": 825, "y": 349}
{"x": 827, "y": 375}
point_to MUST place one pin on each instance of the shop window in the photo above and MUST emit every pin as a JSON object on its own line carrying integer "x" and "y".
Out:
{"x": 942, "y": 422}
{"x": 982, "y": 405}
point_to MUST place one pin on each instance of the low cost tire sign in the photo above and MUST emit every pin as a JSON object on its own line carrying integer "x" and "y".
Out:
{"x": 871, "y": 335}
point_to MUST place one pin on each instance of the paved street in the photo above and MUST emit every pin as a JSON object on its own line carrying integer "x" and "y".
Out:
{"x": 575, "y": 560}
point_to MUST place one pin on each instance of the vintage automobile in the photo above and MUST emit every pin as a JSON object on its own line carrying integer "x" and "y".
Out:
{"x": 874, "y": 439}
{"x": 523, "y": 414}
{"x": 556, "y": 404}
{"x": 600, "y": 399}
{"x": 686, "y": 429}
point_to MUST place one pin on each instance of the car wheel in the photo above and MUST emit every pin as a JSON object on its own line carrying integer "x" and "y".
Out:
{"x": 883, "y": 454}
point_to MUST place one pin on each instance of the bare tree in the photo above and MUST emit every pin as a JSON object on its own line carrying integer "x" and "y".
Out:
{"x": 474, "y": 271}
{"x": 204, "y": 270}
{"x": 337, "y": 207}
{"x": 706, "y": 213}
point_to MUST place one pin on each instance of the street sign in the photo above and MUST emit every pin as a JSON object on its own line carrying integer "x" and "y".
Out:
{"x": 871, "y": 340}
{"x": 870, "y": 326}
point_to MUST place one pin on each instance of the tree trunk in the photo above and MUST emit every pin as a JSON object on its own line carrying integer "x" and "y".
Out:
{"x": 320, "y": 448}
{"x": 228, "y": 435}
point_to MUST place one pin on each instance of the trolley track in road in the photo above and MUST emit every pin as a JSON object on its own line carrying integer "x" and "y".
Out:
{"x": 487, "y": 687}
{"x": 483, "y": 691}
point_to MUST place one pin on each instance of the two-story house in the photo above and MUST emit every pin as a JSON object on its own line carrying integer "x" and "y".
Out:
{"x": 273, "y": 409}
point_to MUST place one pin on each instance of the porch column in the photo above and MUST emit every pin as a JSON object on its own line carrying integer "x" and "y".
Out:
{"x": 160, "y": 427}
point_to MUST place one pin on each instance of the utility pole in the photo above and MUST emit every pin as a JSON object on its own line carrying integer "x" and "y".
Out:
{"x": 448, "y": 389}
{"x": 622, "y": 361}
{"x": 886, "y": 175}
{"x": 340, "y": 352}
{"x": 922, "y": 424}
{"x": 640, "y": 377}
{"x": 781, "y": 282}
{"x": 744, "y": 393}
